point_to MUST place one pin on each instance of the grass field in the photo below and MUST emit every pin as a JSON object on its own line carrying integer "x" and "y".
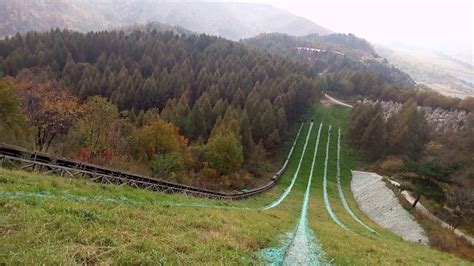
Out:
{"x": 54, "y": 220}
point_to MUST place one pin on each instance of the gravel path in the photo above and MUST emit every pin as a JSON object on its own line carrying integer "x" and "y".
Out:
{"x": 428, "y": 214}
{"x": 382, "y": 206}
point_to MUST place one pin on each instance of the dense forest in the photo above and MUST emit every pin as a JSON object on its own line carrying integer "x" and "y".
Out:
{"x": 196, "y": 109}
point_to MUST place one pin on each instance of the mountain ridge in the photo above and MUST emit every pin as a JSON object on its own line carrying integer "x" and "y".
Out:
{"x": 332, "y": 53}
{"x": 229, "y": 20}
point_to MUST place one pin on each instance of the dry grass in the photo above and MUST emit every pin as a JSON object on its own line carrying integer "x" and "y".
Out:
{"x": 445, "y": 240}
{"x": 440, "y": 238}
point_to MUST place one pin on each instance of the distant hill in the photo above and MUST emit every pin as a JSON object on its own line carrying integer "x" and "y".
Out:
{"x": 440, "y": 72}
{"x": 230, "y": 20}
{"x": 331, "y": 53}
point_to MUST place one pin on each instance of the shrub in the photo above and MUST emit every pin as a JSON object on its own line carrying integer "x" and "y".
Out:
{"x": 391, "y": 165}
{"x": 164, "y": 164}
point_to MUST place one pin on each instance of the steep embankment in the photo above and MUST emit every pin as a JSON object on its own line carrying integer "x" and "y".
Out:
{"x": 52, "y": 220}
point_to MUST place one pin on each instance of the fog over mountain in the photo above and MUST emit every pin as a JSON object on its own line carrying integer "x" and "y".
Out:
{"x": 442, "y": 25}
{"x": 230, "y": 20}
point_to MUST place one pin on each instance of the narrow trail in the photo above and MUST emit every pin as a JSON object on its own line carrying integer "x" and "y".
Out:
{"x": 288, "y": 189}
{"x": 419, "y": 207}
{"x": 325, "y": 187}
{"x": 339, "y": 187}
{"x": 304, "y": 248}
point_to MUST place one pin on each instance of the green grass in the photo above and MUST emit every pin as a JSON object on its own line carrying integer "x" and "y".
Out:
{"x": 142, "y": 227}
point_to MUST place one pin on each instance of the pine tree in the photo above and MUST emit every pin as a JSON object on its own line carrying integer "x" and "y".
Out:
{"x": 409, "y": 136}
{"x": 246, "y": 134}
{"x": 197, "y": 123}
{"x": 256, "y": 159}
{"x": 374, "y": 140}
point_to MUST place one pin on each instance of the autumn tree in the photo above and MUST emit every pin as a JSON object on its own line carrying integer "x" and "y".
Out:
{"x": 160, "y": 137}
{"x": 52, "y": 110}
{"x": 101, "y": 131}
{"x": 160, "y": 143}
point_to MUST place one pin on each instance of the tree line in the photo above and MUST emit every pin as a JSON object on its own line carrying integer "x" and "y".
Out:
{"x": 366, "y": 84}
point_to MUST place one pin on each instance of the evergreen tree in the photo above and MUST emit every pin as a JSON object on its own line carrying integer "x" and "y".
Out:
{"x": 409, "y": 136}
{"x": 197, "y": 123}
{"x": 374, "y": 140}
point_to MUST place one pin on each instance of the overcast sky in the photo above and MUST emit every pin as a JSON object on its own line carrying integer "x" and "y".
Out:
{"x": 439, "y": 24}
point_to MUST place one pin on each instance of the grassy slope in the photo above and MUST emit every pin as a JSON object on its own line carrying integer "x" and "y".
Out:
{"x": 56, "y": 229}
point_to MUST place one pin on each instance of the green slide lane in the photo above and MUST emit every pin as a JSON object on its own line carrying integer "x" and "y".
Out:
{"x": 339, "y": 187}
{"x": 325, "y": 185}
{"x": 293, "y": 180}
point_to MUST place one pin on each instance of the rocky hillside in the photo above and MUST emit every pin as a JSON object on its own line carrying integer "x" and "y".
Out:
{"x": 440, "y": 120}
{"x": 230, "y": 20}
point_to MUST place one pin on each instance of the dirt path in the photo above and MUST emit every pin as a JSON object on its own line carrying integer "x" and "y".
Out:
{"x": 382, "y": 206}
{"x": 428, "y": 214}
{"x": 337, "y": 101}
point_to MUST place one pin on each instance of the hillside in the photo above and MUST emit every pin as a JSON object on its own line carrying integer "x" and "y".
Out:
{"x": 172, "y": 101}
{"x": 332, "y": 53}
{"x": 440, "y": 72}
{"x": 76, "y": 221}
{"x": 230, "y": 20}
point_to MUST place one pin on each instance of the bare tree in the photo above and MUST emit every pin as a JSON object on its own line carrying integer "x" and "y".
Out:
{"x": 461, "y": 204}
